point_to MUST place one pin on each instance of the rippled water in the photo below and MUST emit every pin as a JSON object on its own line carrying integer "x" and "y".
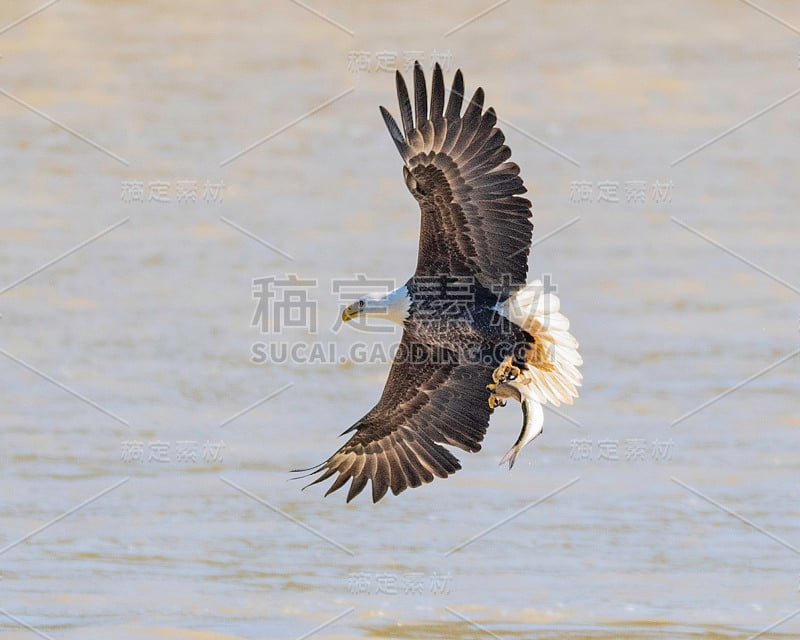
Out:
{"x": 686, "y": 306}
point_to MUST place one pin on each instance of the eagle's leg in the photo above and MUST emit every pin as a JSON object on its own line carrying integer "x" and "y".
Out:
{"x": 523, "y": 356}
{"x": 511, "y": 368}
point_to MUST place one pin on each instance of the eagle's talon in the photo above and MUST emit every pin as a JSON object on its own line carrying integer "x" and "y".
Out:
{"x": 512, "y": 372}
{"x": 495, "y": 400}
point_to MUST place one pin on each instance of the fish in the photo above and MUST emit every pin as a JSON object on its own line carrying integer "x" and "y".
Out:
{"x": 548, "y": 371}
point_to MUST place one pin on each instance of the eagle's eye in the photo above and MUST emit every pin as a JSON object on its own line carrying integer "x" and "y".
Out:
{"x": 360, "y": 304}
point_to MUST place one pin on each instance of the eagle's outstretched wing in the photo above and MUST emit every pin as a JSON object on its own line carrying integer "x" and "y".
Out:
{"x": 473, "y": 222}
{"x": 428, "y": 400}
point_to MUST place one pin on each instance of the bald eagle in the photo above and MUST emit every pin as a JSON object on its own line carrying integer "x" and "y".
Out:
{"x": 474, "y": 334}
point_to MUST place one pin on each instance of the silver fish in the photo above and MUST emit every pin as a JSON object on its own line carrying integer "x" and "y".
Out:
{"x": 514, "y": 385}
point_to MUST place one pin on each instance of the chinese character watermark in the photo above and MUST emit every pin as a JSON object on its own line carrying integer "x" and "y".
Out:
{"x": 163, "y": 452}
{"x": 183, "y": 191}
{"x": 288, "y": 303}
{"x": 284, "y": 303}
{"x": 350, "y": 290}
{"x": 616, "y": 450}
{"x": 393, "y": 583}
{"x": 632, "y": 192}
{"x": 360, "y": 61}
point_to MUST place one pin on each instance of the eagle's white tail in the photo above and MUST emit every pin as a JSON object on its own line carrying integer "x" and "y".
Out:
{"x": 552, "y": 373}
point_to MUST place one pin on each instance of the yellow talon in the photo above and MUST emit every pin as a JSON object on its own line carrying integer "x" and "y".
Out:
{"x": 506, "y": 371}
{"x": 512, "y": 374}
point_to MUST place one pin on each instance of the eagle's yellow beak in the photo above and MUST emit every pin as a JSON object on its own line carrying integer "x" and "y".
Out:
{"x": 351, "y": 312}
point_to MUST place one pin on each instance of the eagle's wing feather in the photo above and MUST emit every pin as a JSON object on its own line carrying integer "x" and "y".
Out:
{"x": 429, "y": 400}
{"x": 473, "y": 220}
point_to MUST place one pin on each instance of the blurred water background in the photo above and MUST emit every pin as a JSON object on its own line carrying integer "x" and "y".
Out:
{"x": 134, "y": 416}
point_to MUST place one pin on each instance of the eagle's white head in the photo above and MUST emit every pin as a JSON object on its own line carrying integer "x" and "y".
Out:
{"x": 392, "y": 306}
